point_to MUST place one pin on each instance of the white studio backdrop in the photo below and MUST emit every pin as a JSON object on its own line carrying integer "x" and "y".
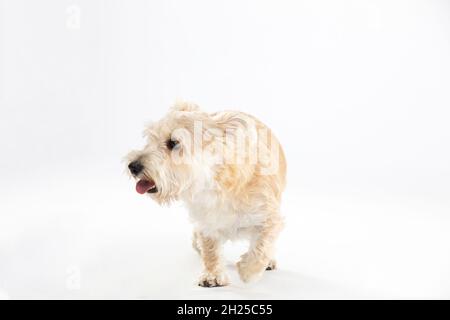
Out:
{"x": 357, "y": 92}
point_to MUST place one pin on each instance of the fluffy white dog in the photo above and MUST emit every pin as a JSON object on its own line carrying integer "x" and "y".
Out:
{"x": 229, "y": 170}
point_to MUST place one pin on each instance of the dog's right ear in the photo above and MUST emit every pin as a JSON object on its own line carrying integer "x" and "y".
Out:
{"x": 184, "y": 106}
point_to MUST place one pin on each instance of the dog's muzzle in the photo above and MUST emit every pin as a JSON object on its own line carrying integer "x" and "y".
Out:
{"x": 144, "y": 185}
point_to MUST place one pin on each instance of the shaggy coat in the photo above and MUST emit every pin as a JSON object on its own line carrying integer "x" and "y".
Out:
{"x": 229, "y": 170}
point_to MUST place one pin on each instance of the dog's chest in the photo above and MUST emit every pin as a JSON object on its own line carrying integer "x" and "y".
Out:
{"x": 215, "y": 216}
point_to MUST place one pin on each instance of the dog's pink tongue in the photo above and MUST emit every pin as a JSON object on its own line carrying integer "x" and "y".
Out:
{"x": 142, "y": 186}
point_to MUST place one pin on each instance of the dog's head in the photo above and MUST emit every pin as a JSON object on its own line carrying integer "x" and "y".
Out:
{"x": 168, "y": 166}
{"x": 190, "y": 151}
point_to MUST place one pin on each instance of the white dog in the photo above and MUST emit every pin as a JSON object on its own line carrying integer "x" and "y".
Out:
{"x": 229, "y": 170}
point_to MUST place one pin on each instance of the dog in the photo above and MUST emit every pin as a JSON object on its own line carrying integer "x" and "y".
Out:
{"x": 229, "y": 170}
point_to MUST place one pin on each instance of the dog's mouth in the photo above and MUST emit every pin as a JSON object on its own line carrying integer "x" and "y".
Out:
{"x": 146, "y": 186}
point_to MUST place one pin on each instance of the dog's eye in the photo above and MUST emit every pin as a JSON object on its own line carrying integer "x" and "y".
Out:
{"x": 171, "y": 144}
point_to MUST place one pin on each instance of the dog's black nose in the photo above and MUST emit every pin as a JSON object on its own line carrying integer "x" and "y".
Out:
{"x": 135, "y": 167}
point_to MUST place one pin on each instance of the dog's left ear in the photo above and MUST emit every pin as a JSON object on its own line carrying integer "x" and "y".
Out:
{"x": 185, "y": 106}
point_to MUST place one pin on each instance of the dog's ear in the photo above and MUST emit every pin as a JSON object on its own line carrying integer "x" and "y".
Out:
{"x": 184, "y": 106}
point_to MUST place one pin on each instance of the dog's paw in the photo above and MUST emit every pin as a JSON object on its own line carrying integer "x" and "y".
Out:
{"x": 208, "y": 279}
{"x": 250, "y": 269}
{"x": 272, "y": 265}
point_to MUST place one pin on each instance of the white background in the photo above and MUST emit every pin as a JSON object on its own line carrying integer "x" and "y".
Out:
{"x": 357, "y": 92}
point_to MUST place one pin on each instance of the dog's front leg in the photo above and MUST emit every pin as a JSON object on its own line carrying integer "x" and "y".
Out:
{"x": 214, "y": 274}
{"x": 259, "y": 257}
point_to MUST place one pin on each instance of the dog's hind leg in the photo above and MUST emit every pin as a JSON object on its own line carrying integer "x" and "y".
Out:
{"x": 214, "y": 274}
{"x": 259, "y": 257}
